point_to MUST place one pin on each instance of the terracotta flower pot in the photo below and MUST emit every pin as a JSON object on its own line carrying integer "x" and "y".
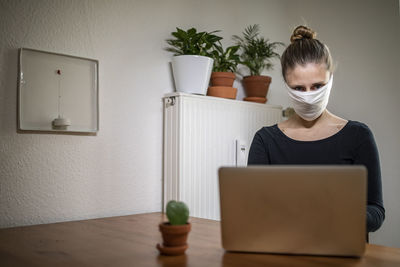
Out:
{"x": 222, "y": 91}
{"x": 256, "y": 86}
{"x": 174, "y": 238}
{"x": 261, "y": 100}
{"x": 222, "y": 79}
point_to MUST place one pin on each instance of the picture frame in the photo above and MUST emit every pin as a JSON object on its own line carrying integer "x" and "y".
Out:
{"x": 57, "y": 93}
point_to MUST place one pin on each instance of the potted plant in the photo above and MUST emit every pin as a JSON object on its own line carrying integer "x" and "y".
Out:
{"x": 256, "y": 55}
{"x": 175, "y": 232}
{"x": 192, "y": 62}
{"x": 223, "y": 76}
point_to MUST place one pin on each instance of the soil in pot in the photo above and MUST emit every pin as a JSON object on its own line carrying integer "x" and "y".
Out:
{"x": 174, "y": 238}
{"x": 222, "y": 79}
{"x": 256, "y": 86}
{"x": 222, "y": 91}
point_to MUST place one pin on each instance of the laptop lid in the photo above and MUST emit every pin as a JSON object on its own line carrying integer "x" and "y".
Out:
{"x": 315, "y": 210}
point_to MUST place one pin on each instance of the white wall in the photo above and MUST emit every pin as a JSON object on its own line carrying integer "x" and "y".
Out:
{"x": 48, "y": 178}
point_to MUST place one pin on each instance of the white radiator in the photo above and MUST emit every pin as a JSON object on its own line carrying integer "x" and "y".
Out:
{"x": 201, "y": 134}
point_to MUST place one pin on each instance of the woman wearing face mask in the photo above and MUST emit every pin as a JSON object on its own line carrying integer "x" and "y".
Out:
{"x": 313, "y": 135}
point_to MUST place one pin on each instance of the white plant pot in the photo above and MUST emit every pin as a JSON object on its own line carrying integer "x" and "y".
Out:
{"x": 192, "y": 73}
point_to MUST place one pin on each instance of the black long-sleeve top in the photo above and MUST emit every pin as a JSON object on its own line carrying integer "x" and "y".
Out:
{"x": 354, "y": 144}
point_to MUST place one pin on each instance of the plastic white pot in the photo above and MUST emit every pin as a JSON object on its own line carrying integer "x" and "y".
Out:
{"x": 192, "y": 73}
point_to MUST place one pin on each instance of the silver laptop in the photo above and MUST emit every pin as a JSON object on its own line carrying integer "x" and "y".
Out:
{"x": 311, "y": 210}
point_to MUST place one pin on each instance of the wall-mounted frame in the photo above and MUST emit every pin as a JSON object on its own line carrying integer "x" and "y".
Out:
{"x": 57, "y": 93}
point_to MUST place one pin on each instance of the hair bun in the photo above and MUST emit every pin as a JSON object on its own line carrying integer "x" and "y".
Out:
{"x": 302, "y": 32}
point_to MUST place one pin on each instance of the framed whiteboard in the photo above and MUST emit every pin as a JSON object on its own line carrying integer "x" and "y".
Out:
{"x": 54, "y": 88}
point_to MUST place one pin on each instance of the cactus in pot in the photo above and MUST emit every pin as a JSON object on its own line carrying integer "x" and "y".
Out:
{"x": 177, "y": 212}
{"x": 175, "y": 232}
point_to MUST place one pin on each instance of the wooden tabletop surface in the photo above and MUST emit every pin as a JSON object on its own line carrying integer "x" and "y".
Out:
{"x": 131, "y": 241}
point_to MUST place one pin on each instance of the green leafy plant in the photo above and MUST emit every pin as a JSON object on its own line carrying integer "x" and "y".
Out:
{"x": 191, "y": 42}
{"x": 225, "y": 61}
{"x": 177, "y": 212}
{"x": 256, "y": 51}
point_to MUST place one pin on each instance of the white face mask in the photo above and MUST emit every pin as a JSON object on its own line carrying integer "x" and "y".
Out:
{"x": 310, "y": 105}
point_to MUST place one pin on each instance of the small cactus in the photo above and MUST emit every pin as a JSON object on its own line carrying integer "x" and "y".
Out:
{"x": 177, "y": 212}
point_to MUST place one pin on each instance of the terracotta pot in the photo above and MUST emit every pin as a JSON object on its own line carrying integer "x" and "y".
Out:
{"x": 255, "y": 99}
{"x": 256, "y": 86}
{"x": 174, "y": 238}
{"x": 222, "y": 79}
{"x": 222, "y": 91}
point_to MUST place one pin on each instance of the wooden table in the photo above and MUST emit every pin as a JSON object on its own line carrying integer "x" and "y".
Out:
{"x": 131, "y": 241}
